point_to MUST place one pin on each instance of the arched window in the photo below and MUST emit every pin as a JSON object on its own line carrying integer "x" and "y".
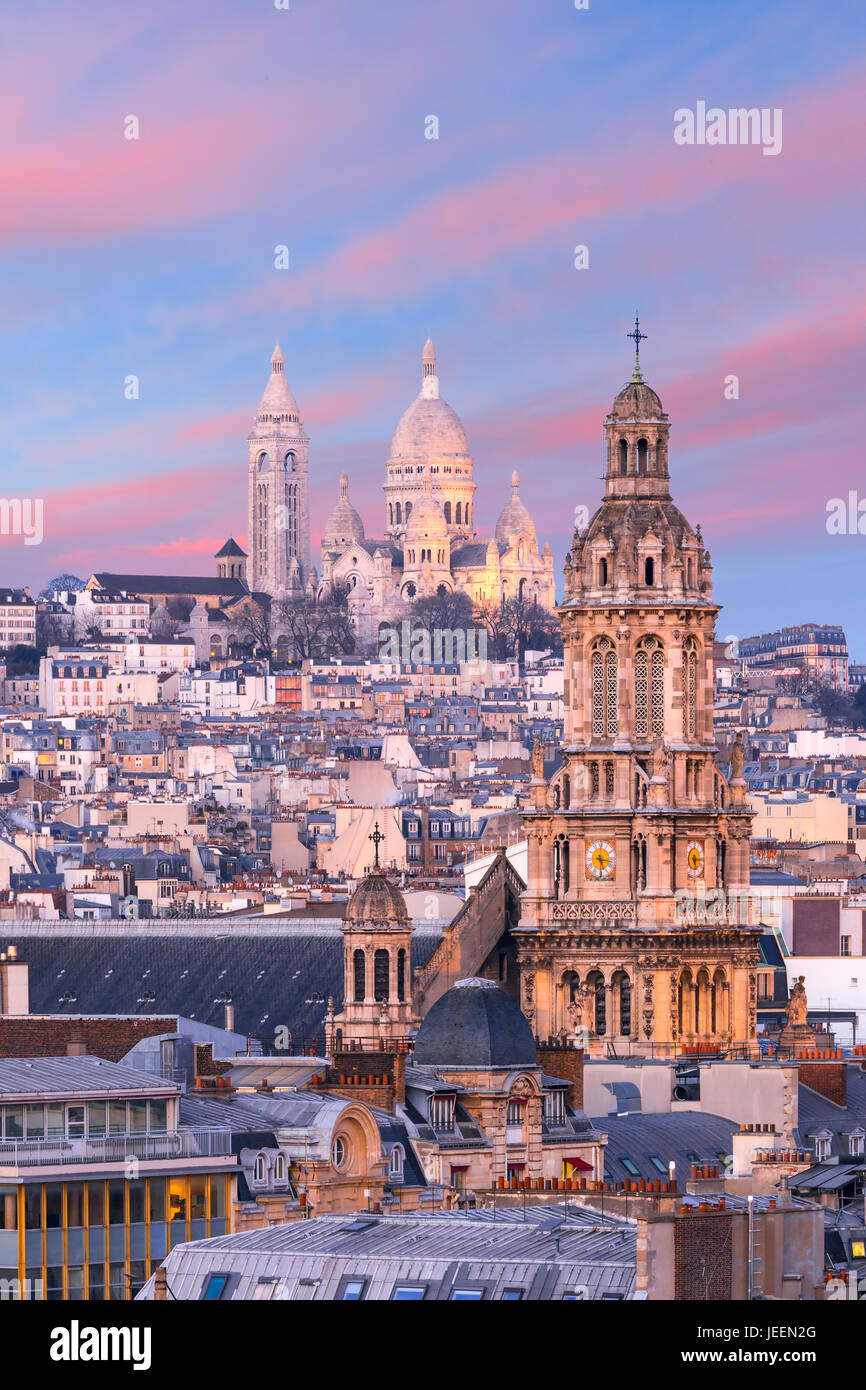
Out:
{"x": 338, "y": 1153}
{"x": 401, "y": 975}
{"x": 408, "y": 511}
{"x": 279, "y": 1168}
{"x": 447, "y": 511}
{"x": 598, "y": 994}
{"x": 381, "y": 980}
{"x": 260, "y": 1170}
{"x": 395, "y": 1167}
{"x": 685, "y": 1003}
{"x": 290, "y": 462}
{"x": 690, "y": 687}
{"x": 594, "y": 784}
{"x": 398, "y": 514}
{"x": 649, "y": 688}
{"x": 642, "y": 455}
{"x": 391, "y": 513}
{"x": 467, "y": 513}
{"x": 264, "y": 463}
{"x": 458, "y": 514}
{"x": 623, "y": 457}
{"x": 624, "y": 1005}
{"x": 649, "y": 570}
{"x": 360, "y": 969}
{"x": 602, "y": 571}
{"x": 608, "y": 779}
{"x": 566, "y": 792}
{"x": 604, "y": 689}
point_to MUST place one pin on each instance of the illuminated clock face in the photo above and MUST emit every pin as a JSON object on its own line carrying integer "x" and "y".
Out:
{"x": 695, "y": 858}
{"x": 600, "y": 859}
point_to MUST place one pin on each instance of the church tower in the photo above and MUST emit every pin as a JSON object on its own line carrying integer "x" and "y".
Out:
{"x": 634, "y": 924}
{"x": 377, "y": 947}
{"x": 278, "y": 501}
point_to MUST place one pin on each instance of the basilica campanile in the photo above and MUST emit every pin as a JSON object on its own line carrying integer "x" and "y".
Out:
{"x": 634, "y": 924}
{"x": 278, "y": 502}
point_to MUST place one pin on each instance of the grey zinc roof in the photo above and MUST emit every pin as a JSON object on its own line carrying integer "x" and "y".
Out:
{"x": 668, "y": 1136}
{"x": 46, "y": 1076}
{"x": 551, "y": 1251}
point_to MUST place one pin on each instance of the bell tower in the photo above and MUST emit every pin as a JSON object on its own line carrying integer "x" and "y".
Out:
{"x": 636, "y": 914}
{"x": 377, "y": 972}
{"x": 278, "y": 496}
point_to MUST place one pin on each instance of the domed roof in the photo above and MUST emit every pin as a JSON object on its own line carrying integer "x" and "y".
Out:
{"x": 376, "y": 902}
{"x": 637, "y": 401}
{"x": 429, "y": 428}
{"x": 475, "y": 1025}
{"x": 344, "y": 524}
{"x": 514, "y": 519}
{"x": 278, "y": 404}
{"x": 426, "y": 519}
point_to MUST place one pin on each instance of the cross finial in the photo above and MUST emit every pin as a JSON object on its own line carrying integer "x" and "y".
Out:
{"x": 638, "y": 339}
{"x": 377, "y": 837}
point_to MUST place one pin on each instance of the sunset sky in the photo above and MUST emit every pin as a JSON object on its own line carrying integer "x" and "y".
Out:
{"x": 260, "y": 127}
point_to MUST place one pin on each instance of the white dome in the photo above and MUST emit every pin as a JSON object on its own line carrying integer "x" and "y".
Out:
{"x": 344, "y": 526}
{"x": 429, "y": 428}
{"x": 514, "y": 519}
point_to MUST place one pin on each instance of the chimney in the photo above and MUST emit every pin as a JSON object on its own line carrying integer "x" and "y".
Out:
{"x": 14, "y": 983}
{"x": 160, "y": 1284}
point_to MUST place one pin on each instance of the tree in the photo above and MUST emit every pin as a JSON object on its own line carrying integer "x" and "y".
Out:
{"x": 50, "y": 631}
{"x": 317, "y": 628}
{"x": 858, "y": 707}
{"x": 255, "y": 626}
{"x": 832, "y": 703}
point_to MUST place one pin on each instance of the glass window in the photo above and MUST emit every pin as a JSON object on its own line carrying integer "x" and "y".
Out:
{"x": 512, "y": 1294}
{"x": 177, "y": 1199}
{"x": 158, "y": 1116}
{"x": 75, "y": 1121}
{"x": 96, "y": 1204}
{"x": 137, "y": 1116}
{"x": 75, "y": 1276}
{"x": 467, "y": 1295}
{"x": 156, "y": 1188}
{"x": 75, "y": 1204}
{"x": 198, "y": 1196}
{"x": 659, "y": 1164}
{"x": 136, "y": 1201}
{"x": 8, "y": 1209}
{"x": 353, "y": 1289}
{"x": 630, "y": 1167}
{"x": 14, "y": 1121}
{"x": 55, "y": 1121}
{"x": 96, "y": 1116}
{"x": 117, "y": 1281}
{"x": 117, "y": 1116}
{"x": 217, "y": 1197}
{"x": 215, "y": 1286}
{"x": 405, "y": 1293}
{"x": 53, "y": 1205}
{"x": 115, "y": 1204}
{"x": 34, "y": 1116}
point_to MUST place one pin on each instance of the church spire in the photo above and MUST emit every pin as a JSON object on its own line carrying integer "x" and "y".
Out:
{"x": 638, "y": 339}
{"x": 429, "y": 379}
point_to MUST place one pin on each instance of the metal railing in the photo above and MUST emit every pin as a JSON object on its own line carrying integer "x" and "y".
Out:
{"x": 116, "y": 1148}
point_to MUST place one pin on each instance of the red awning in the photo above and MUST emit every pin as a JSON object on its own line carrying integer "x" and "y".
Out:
{"x": 579, "y": 1163}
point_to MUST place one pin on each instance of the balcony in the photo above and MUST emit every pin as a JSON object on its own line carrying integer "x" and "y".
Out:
{"x": 116, "y": 1148}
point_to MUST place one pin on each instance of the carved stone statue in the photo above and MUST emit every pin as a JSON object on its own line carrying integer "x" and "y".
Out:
{"x": 537, "y": 758}
{"x": 737, "y": 756}
{"x": 659, "y": 758}
{"x": 796, "y": 1008}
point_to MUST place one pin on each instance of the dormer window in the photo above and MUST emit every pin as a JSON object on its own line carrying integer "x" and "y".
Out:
{"x": 855, "y": 1144}
{"x": 260, "y": 1170}
{"x": 279, "y": 1168}
{"x": 442, "y": 1113}
{"x": 822, "y": 1148}
{"x": 395, "y": 1167}
{"x": 554, "y": 1108}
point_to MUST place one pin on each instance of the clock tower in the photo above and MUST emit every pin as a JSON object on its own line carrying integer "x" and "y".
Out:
{"x": 635, "y": 925}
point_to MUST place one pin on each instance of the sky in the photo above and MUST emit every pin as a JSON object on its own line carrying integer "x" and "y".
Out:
{"x": 307, "y": 127}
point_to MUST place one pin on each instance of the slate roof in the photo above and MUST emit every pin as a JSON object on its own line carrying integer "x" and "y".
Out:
{"x": 172, "y": 584}
{"x": 276, "y": 974}
{"x": 547, "y": 1254}
{"x": 475, "y": 1024}
{"x": 687, "y": 1137}
{"x": 816, "y": 1112}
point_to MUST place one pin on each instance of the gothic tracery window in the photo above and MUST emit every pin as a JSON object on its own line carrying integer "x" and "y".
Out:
{"x": 604, "y": 689}
{"x": 649, "y": 689}
{"x": 690, "y": 688}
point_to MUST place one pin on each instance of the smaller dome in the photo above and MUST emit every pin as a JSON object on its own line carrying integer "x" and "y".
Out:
{"x": 426, "y": 519}
{"x": 344, "y": 526}
{"x": 514, "y": 520}
{"x": 637, "y": 401}
{"x": 376, "y": 902}
{"x": 475, "y": 1024}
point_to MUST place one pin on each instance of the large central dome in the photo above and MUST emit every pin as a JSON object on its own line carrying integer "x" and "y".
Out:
{"x": 475, "y": 1025}
{"x": 429, "y": 429}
